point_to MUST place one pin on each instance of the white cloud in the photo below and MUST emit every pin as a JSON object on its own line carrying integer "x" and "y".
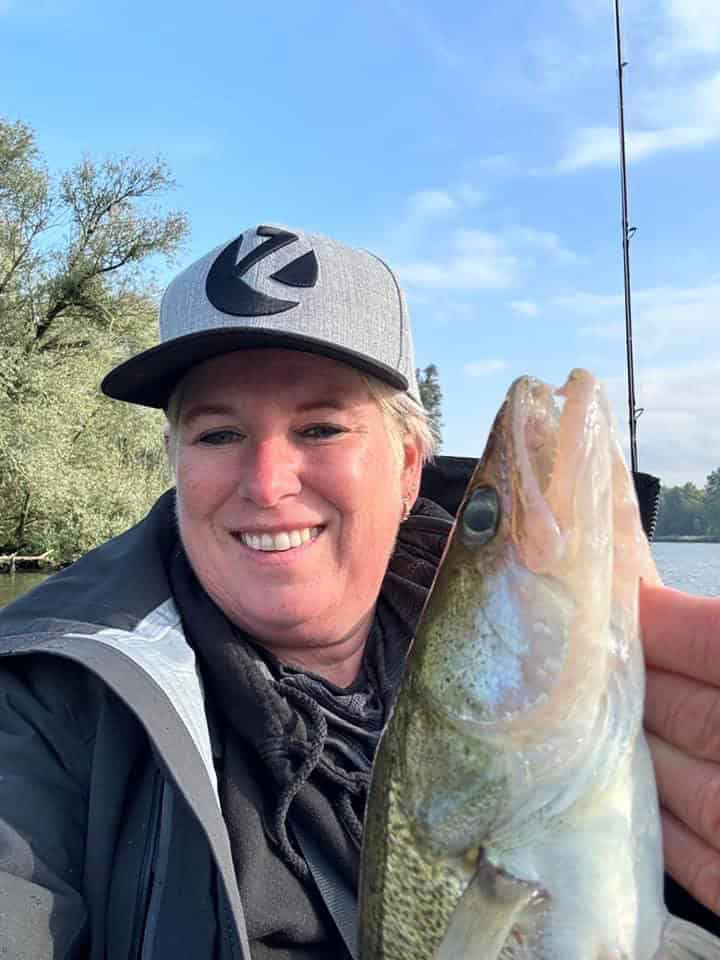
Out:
{"x": 479, "y": 261}
{"x": 462, "y": 273}
{"x": 499, "y": 163}
{"x": 662, "y": 316}
{"x": 683, "y": 104}
{"x": 439, "y": 206}
{"x": 431, "y": 203}
{"x": 588, "y": 304}
{"x": 470, "y": 258}
{"x": 544, "y": 241}
{"x": 484, "y": 367}
{"x": 613, "y": 331}
{"x": 590, "y": 147}
{"x": 525, "y": 308}
{"x": 672, "y": 89}
{"x": 588, "y": 12}
{"x": 677, "y": 439}
{"x": 428, "y": 204}
{"x": 600, "y": 146}
{"x": 678, "y": 435}
{"x": 645, "y": 143}
{"x": 693, "y": 28}
{"x": 469, "y": 196}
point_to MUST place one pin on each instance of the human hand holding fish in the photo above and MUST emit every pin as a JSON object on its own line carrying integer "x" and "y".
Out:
{"x": 513, "y": 811}
{"x": 681, "y": 637}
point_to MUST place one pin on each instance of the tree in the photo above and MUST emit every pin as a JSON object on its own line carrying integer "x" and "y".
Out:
{"x": 75, "y": 299}
{"x": 712, "y": 502}
{"x": 682, "y": 511}
{"x": 431, "y": 396}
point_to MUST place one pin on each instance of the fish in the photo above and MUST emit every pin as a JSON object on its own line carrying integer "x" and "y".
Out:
{"x": 513, "y": 811}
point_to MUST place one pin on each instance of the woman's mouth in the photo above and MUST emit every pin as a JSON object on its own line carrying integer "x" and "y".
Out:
{"x": 279, "y": 540}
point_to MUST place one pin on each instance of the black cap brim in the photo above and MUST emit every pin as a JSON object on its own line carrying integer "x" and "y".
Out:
{"x": 150, "y": 377}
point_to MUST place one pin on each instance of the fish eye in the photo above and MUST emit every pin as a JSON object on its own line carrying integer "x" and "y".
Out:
{"x": 480, "y": 518}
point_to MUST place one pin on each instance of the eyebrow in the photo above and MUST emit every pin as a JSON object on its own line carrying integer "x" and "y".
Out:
{"x": 330, "y": 402}
{"x": 207, "y": 410}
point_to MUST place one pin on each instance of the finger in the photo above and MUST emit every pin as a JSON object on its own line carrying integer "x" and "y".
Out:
{"x": 689, "y": 789}
{"x": 681, "y": 633}
{"x": 694, "y": 864}
{"x": 684, "y": 712}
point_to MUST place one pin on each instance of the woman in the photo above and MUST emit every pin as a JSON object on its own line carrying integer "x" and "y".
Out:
{"x": 189, "y": 713}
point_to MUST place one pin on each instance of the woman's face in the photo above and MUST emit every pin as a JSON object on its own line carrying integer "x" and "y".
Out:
{"x": 288, "y": 494}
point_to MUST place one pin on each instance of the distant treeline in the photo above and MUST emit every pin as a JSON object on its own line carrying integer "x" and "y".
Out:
{"x": 691, "y": 511}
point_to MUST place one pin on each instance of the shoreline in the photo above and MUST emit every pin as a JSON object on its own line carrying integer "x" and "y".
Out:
{"x": 12, "y": 563}
{"x": 680, "y": 538}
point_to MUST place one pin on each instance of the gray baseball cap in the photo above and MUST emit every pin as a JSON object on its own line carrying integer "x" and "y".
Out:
{"x": 275, "y": 287}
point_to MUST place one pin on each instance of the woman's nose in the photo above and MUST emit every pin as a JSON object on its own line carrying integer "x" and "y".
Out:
{"x": 270, "y": 472}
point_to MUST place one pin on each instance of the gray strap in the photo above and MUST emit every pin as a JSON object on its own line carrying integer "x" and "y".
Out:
{"x": 337, "y": 895}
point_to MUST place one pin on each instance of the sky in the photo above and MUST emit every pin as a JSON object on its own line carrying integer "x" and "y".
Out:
{"x": 472, "y": 145}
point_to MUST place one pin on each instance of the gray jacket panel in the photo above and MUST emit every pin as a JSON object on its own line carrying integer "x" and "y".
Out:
{"x": 104, "y": 743}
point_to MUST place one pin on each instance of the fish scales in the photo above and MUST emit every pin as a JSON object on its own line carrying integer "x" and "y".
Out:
{"x": 512, "y": 812}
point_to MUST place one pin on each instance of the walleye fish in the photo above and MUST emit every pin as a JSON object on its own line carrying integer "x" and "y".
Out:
{"x": 513, "y": 810}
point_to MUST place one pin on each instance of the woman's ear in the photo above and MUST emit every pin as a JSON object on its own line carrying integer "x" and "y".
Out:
{"x": 412, "y": 471}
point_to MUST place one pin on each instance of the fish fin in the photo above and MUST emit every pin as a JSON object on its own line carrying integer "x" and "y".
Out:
{"x": 684, "y": 941}
{"x": 492, "y": 903}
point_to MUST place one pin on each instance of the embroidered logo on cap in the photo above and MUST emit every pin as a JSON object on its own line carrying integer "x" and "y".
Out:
{"x": 226, "y": 289}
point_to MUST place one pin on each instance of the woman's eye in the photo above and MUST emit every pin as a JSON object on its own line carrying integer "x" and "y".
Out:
{"x": 218, "y": 438}
{"x": 322, "y": 431}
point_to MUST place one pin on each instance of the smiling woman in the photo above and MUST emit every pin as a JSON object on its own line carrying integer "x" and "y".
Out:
{"x": 235, "y": 654}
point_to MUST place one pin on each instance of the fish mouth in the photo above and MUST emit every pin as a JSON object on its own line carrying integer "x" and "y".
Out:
{"x": 558, "y": 436}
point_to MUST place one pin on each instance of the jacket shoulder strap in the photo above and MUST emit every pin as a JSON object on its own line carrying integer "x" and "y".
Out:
{"x": 337, "y": 895}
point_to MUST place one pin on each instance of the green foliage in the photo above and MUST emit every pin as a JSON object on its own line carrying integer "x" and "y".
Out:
{"x": 712, "y": 502}
{"x": 75, "y": 467}
{"x": 431, "y": 395}
{"x": 688, "y": 511}
{"x": 681, "y": 511}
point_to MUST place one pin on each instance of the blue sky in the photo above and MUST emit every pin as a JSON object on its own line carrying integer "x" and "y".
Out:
{"x": 472, "y": 145}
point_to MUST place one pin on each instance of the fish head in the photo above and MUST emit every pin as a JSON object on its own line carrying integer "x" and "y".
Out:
{"x": 523, "y": 596}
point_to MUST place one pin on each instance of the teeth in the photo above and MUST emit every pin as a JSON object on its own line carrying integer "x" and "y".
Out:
{"x": 284, "y": 540}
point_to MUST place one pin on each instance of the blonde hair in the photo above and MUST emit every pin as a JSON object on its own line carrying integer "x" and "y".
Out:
{"x": 405, "y": 419}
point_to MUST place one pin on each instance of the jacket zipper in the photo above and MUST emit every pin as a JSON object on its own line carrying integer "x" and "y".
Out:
{"x": 142, "y": 901}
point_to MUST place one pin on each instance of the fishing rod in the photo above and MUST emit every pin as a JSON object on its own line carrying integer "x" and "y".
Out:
{"x": 627, "y": 232}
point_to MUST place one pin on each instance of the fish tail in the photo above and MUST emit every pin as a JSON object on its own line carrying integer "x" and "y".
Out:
{"x": 684, "y": 941}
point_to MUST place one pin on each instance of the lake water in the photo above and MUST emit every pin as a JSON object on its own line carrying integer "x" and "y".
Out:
{"x": 12, "y": 586}
{"x": 694, "y": 567}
